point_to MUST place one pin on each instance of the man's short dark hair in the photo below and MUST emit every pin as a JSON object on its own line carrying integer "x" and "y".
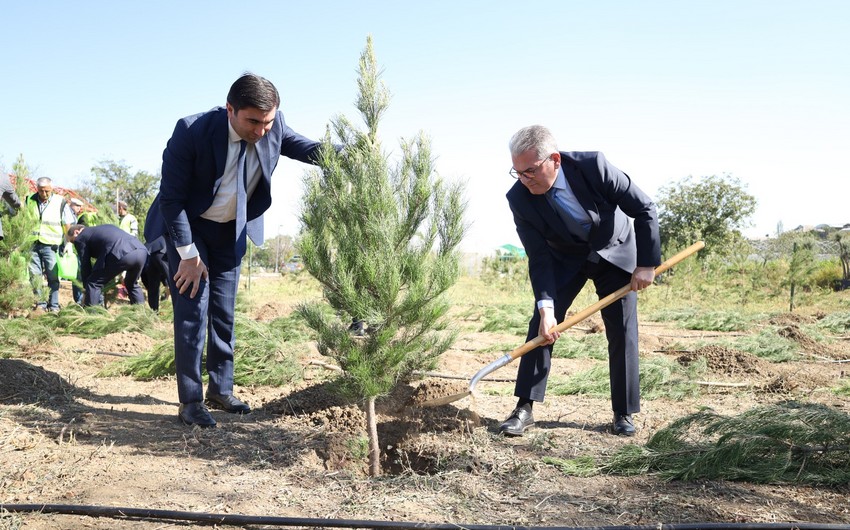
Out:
{"x": 253, "y": 91}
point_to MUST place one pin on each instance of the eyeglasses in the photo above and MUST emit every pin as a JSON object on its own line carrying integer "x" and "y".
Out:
{"x": 530, "y": 172}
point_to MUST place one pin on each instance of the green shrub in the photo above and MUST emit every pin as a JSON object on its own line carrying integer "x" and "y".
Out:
{"x": 826, "y": 273}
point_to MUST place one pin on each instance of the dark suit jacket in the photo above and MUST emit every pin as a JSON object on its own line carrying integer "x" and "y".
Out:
{"x": 609, "y": 196}
{"x": 192, "y": 167}
{"x": 10, "y": 196}
{"x": 103, "y": 242}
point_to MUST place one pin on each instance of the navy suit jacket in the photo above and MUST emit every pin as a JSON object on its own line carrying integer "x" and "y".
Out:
{"x": 102, "y": 242}
{"x": 609, "y": 197}
{"x": 192, "y": 167}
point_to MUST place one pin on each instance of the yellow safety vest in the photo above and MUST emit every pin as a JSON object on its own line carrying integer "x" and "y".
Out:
{"x": 129, "y": 224}
{"x": 49, "y": 229}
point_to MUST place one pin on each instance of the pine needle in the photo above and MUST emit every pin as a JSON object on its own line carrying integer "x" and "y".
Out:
{"x": 266, "y": 354}
{"x": 659, "y": 377}
{"x": 789, "y": 442}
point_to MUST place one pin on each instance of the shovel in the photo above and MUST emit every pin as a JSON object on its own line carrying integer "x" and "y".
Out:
{"x": 566, "y": 324}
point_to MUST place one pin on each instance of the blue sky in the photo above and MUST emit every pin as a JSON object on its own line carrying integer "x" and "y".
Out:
{"x": 755, "y": 89}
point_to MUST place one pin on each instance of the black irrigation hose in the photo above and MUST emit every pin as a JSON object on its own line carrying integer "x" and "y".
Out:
{"x": 239, "y": 520}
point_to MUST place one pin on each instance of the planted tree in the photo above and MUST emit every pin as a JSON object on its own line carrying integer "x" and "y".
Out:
{"x": 381, "y": 239}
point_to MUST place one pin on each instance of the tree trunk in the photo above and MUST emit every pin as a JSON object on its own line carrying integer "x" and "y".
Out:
{"x": 374, "y": 448}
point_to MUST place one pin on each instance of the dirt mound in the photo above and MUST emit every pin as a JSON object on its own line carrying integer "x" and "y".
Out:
{"x": 809, "y": 345}
{"x": 726, "y": 361}
{"x": 349, "y": 419}
{"x": 25, "y": 383}
{"x": 591, "y": 324}
{"x": 271, "y": 311}
{"x": 341, "y": 424}
{"x": 432, "y": 391}
{"x": 790, "y": 319}
{"x": 131, "y": 342}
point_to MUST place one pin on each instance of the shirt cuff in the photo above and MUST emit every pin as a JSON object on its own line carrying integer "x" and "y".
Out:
{"x": 188, "y": 252}
{"x": 545, "y": 303}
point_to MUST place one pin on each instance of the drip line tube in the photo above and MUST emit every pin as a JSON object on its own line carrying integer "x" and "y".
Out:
{"x": 240, "y": 520}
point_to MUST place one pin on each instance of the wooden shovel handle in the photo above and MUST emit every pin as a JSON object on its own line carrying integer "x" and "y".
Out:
{"x": 603, "y": 302}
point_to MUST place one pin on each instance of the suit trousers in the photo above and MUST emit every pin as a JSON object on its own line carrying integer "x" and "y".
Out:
{"x": 111, "y": 267}
{"x": 155, "y": 274}
{"x": 621, "y": 330}
{"x": 209, "y": 316}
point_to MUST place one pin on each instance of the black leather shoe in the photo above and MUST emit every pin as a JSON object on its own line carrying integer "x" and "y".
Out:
{"x": 195, "y": 414}
{"x": 519, "y": 420}
{"x": 227, "y": 403}
{"x": 623, "y": 425}
{"x": 358, "y": 328}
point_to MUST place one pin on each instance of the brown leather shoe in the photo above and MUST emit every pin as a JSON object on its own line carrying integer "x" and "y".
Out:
{"x": 519, "y": 420}
{"x": 227, "y": 403}
{"x": 195, "y": 414}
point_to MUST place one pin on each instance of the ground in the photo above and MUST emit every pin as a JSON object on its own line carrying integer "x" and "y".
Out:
{"x": 68, "y": 436}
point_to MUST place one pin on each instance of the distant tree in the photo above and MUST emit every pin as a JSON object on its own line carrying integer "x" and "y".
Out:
{"x": 113, "y": 181}
{"x": 713, "y": 209}
{"x": 276, "y": 250}
{"x": 382, "y": 242}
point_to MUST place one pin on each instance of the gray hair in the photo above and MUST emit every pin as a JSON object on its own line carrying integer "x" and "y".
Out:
{"x": 43, "y": 181}
{"x": 535, "y": 137}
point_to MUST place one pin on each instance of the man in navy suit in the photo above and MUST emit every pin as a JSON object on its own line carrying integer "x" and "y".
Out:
{"x": 155, "y": 272}
{"x": 216, "y": 184}
{"x": 115, "y": 252}
{"x": 571, "y": 211}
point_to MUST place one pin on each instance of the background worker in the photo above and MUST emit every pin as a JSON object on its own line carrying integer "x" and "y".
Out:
{"x": 127, "y": 221}
{"x": 155, "y": 273}
{"x": 53, "y": 217}
{"x": 115, "y": 252}
{"x": 85, "y": 218}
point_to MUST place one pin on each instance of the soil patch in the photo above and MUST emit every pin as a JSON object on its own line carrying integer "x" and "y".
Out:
{"x": 726, "y": 361}
{"x": 87, "y": 440}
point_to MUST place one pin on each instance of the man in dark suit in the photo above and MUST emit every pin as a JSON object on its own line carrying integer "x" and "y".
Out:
{"x": 571, "y": 211}
{"x": 155, "y": 272}
{"x": 114, "y": 251}
{"x": 216, "y": 184}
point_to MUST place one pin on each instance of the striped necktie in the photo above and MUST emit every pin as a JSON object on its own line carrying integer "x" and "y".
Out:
{"x": 241, "y": 200}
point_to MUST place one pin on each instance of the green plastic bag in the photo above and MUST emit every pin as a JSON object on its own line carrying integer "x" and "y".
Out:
{"x": 66, "y": 265}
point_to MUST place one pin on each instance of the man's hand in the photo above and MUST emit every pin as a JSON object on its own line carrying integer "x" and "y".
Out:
{"x": 642, "y": 277}
{"x": 547, "y": 322}
{"x": 190, "y": 272}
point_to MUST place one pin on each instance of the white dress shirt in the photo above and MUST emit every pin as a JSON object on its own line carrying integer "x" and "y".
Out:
{"x": 223, "y": 207}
